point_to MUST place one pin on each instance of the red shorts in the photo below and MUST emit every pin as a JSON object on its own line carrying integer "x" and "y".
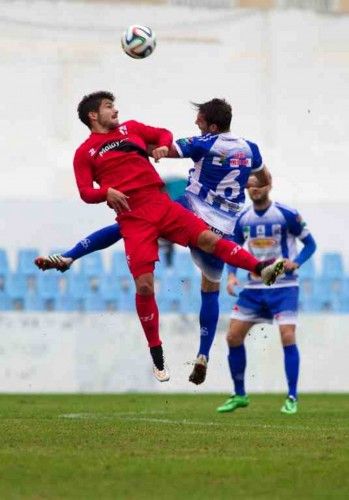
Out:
{"x": 153, "y": 214}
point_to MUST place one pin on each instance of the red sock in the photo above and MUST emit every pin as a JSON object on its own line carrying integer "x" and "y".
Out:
{"x": 233, "y": 254}
{"x": 148, "y": 314}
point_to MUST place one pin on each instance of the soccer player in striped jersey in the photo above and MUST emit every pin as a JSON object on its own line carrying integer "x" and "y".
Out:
{"x": 269, "y": 230}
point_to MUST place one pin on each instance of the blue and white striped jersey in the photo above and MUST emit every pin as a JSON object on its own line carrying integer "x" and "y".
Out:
{"x": 222, "y": 165}
{"x": 271, "y": 233}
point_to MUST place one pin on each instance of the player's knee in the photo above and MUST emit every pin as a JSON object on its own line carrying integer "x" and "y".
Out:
{"x": 207, "y": 241}
{"x": 234, "y": 339}
{"x": 145, "y": 284}
{"x": 288, "y": 339}
{"x": 288, "y": 335}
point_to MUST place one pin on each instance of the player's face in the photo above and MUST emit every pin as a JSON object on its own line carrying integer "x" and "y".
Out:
{"x": 204, "y": 127}
{"x": 107, "y": 116}
{"x": 259, "y": 194}
{"x": 202, "y": 123}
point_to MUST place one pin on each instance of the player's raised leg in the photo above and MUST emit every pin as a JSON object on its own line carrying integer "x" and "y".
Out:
{"x": 234, "y": 255}
{"x": 237, "y": 365}
{"x": 291, "y": 359}
{"x": 98, "y": 240}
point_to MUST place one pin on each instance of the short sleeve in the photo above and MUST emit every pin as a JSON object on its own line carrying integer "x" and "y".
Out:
{"x": 257, "y": 160}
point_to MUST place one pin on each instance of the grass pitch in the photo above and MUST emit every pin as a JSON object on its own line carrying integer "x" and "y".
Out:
{"x": 139, "y": 446}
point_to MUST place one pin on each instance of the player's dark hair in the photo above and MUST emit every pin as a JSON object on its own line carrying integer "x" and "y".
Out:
{"x": 216, "y": 112}
{"x": 92, "y": 102}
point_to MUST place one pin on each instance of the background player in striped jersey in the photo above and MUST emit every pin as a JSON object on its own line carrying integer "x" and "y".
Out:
{"x": 269, "y": 229}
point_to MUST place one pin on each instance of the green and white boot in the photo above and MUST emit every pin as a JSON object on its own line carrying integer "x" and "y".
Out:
{"x": 233, "y": 403}
{"x": 290, "y": 406}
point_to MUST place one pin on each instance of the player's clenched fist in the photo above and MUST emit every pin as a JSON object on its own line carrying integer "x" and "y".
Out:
{"x": 160, "y": 152}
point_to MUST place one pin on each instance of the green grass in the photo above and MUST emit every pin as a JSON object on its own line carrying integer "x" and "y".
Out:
{"x": 172, "y": 447}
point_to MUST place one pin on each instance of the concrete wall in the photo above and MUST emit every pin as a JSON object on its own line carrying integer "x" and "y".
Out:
{"x": 107, "y": 353}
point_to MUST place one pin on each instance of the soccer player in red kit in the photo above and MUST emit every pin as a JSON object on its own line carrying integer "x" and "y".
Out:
{"x": 114, "y": 156}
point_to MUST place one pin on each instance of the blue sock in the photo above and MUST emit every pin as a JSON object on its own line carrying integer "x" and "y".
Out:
{"x": 102, "y": 238}
{"x": 237, "y": 365}
{"x": 209, "y": 313}
{"x": 292, "y": 368}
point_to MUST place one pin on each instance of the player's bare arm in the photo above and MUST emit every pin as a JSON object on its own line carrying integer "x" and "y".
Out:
{"x": 231, "y": 283}
{"x": 163, "y": 151}
{"x": 263, "y": 178}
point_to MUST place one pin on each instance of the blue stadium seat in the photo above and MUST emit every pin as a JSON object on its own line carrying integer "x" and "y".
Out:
{"x": 16, "y": 288}
{"x": 32, "y": 302}
{"x": 120, "y": 272}
{"x": 110, "y": 291}
{"x": 332, "y": 265}
{"x": 126, "y": 300}
{"x": 119, "y": 265}
{"x": 48, "y": 285}
{"x": 5, "y": 301}
{"x": 183, "y": 264}
{"x": 25, "y": 261}
{"x": 94, "y": 303}
{"x": 307, "y": 271}
{"x": 177, "y": 294}
{"x": 78, "y": 286}
{"x": 67, "y": 303}
{"x": 4, "y": 265}
{"x": 92, "y": 265}
{"x": 309, "y": 304}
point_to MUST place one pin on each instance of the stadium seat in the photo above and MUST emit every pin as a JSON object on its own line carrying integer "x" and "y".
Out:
{"x": 4, "y": 266}
{"x": 92, "y": 265}
{"x": 183, "y": 264}
{"x": 33, "y": 302}
{"x": 48, "y": 285}
{"x": 120, "y": 272}
{"x": 309, "y": 304}
{"x": 94, "y": 303}
{"x": 25, "y": 261}
{"x": 78, "y": 286}
{"x": 110, "y": 291}
{"x": 67, "y": 303}
{"x": 5, "y": 301}
{"x": 126, "y": 300}
{"x": 307, "y": 271}
{"x": 332, "y": 265}
{"x": 119, "y": 265}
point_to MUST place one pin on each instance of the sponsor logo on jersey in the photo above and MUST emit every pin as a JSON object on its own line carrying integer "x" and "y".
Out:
{"x": 263, "y": 242}
{"x": 92, "y": 151}
{"x": 111, "y": 146}
{"x": 123, "y": 130}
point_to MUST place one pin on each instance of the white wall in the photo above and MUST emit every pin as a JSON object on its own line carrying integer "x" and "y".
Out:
{"x": 285, "y": 72}
{"x": 108, "y": 353}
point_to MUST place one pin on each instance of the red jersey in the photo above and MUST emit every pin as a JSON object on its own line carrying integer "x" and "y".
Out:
{"x": 118, "y": 159}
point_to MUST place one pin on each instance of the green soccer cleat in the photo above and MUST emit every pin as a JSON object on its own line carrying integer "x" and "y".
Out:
{"x": 233, "y": 403}
{"x": 290, "y": 406}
